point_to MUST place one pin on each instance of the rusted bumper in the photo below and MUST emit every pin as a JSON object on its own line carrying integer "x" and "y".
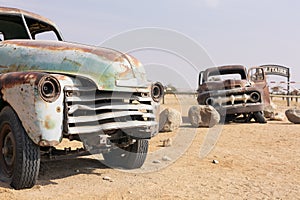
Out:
{"x": 239, "y": 109}
{"x": 233, "y": 101}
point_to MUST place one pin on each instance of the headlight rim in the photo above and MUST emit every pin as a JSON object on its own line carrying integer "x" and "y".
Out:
{"x": 157, "y": 91}
{"x": 51, "y": 83}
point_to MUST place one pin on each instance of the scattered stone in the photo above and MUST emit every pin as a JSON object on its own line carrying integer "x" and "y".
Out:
{"x": 169, "y": 120}
{"x": 215, "y": 162}
{"x": 107, "y": 178}
{"x": 293, "y": 115}
{"x": 203, "y": 116}
{"x": 77, "y": 170}
{"x": 156, "y": 161}
{"x": 277, "y": 117}
{"x": 166, "y": 158}
{"x": 167, "y": 142}
{"x": 269, "y": 110}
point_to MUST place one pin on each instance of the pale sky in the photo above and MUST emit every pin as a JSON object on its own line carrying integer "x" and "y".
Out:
{"x": 247, "y": 32}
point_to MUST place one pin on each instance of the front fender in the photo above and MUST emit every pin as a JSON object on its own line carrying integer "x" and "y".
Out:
{"x": 42, "y": 120}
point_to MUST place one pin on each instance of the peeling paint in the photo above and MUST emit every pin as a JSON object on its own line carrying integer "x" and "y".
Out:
{"x": 101, "y": 65}
{"x": 49, "y": 123}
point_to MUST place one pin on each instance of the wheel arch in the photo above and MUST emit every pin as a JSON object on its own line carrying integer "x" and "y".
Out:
{"x": 41, "y": 119}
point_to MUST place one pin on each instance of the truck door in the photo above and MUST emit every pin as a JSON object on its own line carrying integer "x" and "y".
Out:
{"x": 257, "y": 76}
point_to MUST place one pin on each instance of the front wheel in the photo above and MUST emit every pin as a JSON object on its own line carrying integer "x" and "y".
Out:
{"x": 19, "y": 156}
{"x": 131, "y": 157}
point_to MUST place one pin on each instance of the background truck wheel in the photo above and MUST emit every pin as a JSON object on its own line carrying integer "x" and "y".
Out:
{"x": 258, "y": 116}
{"x": 19, "y": 156}
{"x": 131, "y": 157}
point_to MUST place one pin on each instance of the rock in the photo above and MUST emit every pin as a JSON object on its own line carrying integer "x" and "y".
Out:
{"x": 166, "y": 158}
{"x": 293, "y": 115}
{"x": 156, "y": 161}
{"x": 169, "y": 120}
{"x": 269, "y": 111}
{"x": 203, "y": 116}
{"x": 167, "y": 142}
{"x": 107, "y": 178}
{"x": 215, "y": 162}
{"x": 277, "y": 117}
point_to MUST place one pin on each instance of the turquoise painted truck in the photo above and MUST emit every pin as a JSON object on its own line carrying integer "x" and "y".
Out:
{"x": 52, "y": 90}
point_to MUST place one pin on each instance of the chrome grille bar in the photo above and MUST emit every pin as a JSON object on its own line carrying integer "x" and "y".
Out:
{"x": 92, "y": 111}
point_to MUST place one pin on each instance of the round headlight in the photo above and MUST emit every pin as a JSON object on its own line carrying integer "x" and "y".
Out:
{"x": 157, "y": 91}
{"x": 254, "y": 97}
{"x": 49, "y": 88}
{"x": 210, "y": 101}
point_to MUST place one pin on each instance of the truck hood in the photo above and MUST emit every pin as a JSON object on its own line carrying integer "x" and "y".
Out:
{"x": 224, "y": 85}
{"x": 107, "y": 68}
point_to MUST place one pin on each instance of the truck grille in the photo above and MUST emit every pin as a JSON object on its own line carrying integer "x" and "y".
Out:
{"x": 94, "y": 111}
{"x": 234, "y": 98}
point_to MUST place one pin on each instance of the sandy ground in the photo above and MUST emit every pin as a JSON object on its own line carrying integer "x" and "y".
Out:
{"x": 256, "y": 161}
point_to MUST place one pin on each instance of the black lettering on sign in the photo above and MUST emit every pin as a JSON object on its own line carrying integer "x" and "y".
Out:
{"x": 276, "y": 70}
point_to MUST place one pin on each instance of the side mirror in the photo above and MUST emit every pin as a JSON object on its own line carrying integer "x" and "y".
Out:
{"x": 200, "y": 80}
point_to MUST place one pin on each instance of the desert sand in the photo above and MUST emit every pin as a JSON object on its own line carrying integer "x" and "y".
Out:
{"x": 254, "y": 161}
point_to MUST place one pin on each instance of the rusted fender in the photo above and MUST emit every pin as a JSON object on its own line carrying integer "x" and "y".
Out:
{"x": 109, "y": 69}
{"x": 43, "y": 121}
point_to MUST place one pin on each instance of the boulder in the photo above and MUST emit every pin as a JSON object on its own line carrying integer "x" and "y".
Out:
{"x": 169, "y": 120}
{"x": 203, "y": 116}
{"x": 293, "y": 115}
{"x": 277, "y": 117}
{"x": 269, "y": 111}
{"x": 167, "y": 142}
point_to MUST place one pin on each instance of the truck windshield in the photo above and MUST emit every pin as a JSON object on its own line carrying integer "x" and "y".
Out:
{"x": 13, "y": 27}
{"x": 223, "y": 77}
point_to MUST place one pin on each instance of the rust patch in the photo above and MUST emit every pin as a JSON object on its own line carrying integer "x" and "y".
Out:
{"x": 134, "y": 61}
{"x": 127, "y": 69}
{"x": 9, "y": 80}
{"x": 72, "y": 61}
{"x": 49, "y": 123}
{"x": 58, "y": 109}
{"x": 108, "y": 54}
{"x": 45, "y": 143}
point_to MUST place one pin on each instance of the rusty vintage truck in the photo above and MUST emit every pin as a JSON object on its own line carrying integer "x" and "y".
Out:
{"x": 236, "y": 94}
{"x": 52, "y": 90}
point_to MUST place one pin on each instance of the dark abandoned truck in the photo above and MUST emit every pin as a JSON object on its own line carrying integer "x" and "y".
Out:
{"x": 51, "y": 89}
{"x": 234, "y": 93}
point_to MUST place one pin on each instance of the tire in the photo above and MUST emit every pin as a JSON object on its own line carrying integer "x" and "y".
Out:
{"x": 131, "y": 157}
{"x": 19, "y": 156}
{"x": 258, "y": 116}
{"x": 229, "y": 118}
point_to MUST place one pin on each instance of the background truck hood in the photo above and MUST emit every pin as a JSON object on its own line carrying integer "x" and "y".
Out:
{"x": 107, "y": 68}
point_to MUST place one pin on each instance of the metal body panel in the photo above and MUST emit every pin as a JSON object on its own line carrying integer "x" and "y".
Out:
{"x": 41, "y": 120}
{"x": 106, "y": 68}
